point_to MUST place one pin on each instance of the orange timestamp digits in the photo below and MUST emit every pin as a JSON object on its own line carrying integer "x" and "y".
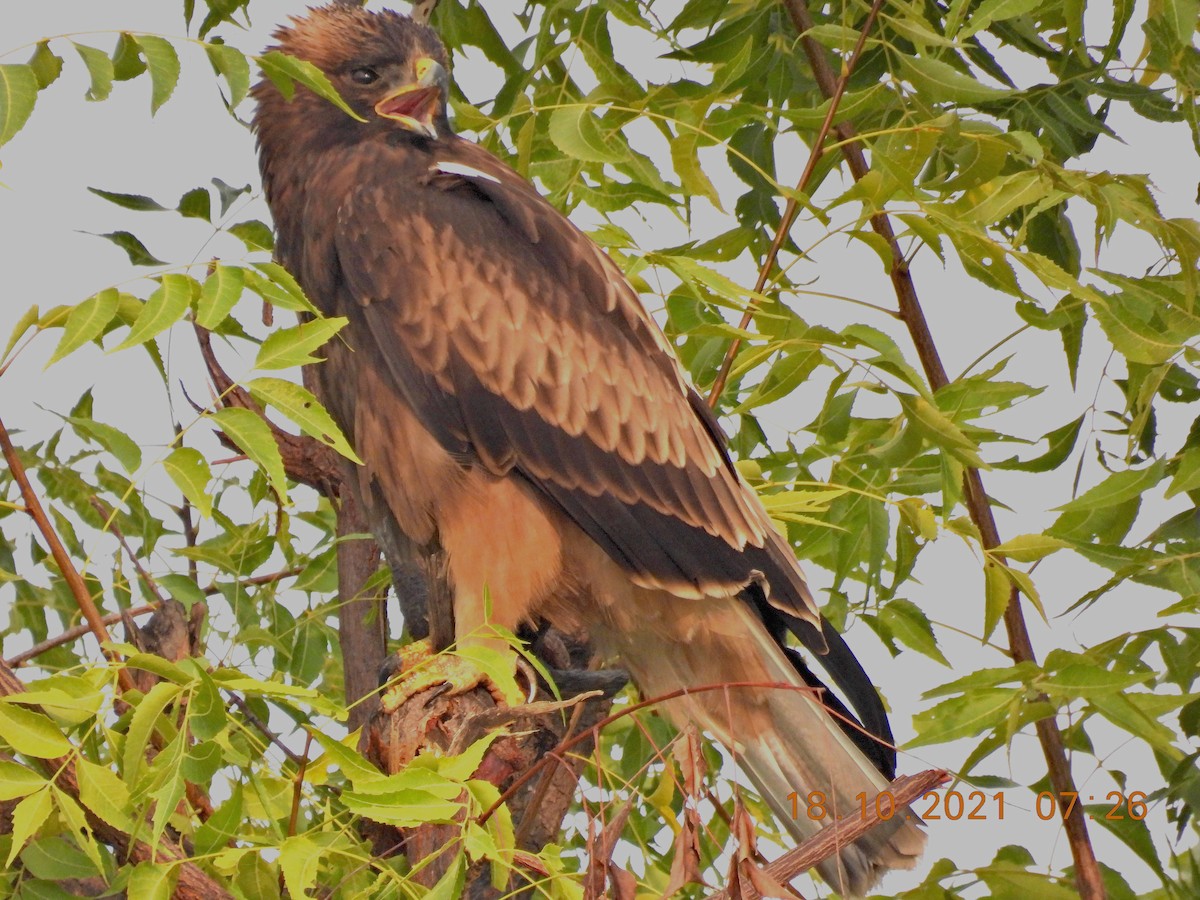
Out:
{"x": 971, "y": 806}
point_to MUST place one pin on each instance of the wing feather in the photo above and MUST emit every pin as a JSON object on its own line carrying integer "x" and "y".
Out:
{"x": 530, "y": 349}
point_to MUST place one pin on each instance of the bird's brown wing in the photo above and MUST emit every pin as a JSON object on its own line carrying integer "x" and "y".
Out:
{"x": 521, "y": 347}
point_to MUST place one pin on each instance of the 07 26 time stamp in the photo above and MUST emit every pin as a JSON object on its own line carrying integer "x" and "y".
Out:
{"x": 970, "y": 806}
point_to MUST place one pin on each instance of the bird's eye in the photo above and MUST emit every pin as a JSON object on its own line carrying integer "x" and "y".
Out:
{"x": 364, "y": 75}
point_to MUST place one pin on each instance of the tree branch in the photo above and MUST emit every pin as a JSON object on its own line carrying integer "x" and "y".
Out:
{"x": 74, "y": 580}
{"x": 1087, "y": 872}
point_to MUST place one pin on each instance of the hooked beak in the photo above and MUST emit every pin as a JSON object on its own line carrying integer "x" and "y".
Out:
{"x": 417, "y": 106}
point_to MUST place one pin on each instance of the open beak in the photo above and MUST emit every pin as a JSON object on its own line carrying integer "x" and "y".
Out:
{"x": 417, "y": 106}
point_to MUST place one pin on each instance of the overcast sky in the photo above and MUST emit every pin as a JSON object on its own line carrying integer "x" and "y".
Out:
{"x": 48, "y": 257}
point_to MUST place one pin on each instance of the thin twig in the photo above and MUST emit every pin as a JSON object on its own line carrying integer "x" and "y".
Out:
{"x": 244, "y": 708}
{"x": 110, "y": 521}
{"x": 82, "y": 597}
{"x": 1087, "y": 872}
{"x": 793, "y": 206}
{"x": 298, "y": 786}
{"x": 72, "y": 633}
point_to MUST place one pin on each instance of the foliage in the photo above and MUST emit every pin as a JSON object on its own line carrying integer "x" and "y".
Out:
{"x": 979, "y": 165}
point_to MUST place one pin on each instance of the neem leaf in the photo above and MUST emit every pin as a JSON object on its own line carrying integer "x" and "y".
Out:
{"x": 127, "y": 58}
{"x": 251, "y": 433}
{"x": 115, "y": 441}
{"x": 290, "y": 347}
{"x": 31, "y": 732}
{"x": 577, "y": 132}
{"x": 234, "y": 67}
{"x": 100, "y": 67}
{"x": 254, "y": 234}
{"x": 1029, "y": 547}
{"x": 86, "y": 322}
{"x": 1117, "y": 488}
{"x": 163, "y": 63}
{"x": 196, "y": 204}
{"x": 299, "y": 405}
{"x": 220, "y": 292}
{"x": 191, "y": 474}
{"x": 139, "y": 202}
{"x": 18, "y": 93}
{"x": 940, "y": 82}
{"x": 28, "y": 816}
{"x": 46, "y": 64}
{"x": 163, "y": 309}
{"x": 284, "y": 71}
{"x": 133, "y": 247}
{"x": 228, "y": 193}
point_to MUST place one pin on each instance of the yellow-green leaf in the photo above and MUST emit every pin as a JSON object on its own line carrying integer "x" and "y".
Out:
{"x": 28, "y": 816}
{"x": 18, "y": 93}
{"x": 191, "y": 474}
{"x": 290, "y": 347}
{"x": 163, "y": 62}
{"x": 232, "y": 64}
{"x": 252, "y": 434}
{"x": 86, "y": 322}
{"x": 31, "y": 732}
{"x": 577, "y": 132}
{"x": 299, "y": 405}
{"x": 285, "y": 71}
{"x": 103, "y": 792}
{"x": 220, "y": 292}
{"x": 1029, "y": 547}
{"x": 100, "y": 67}
{"x": 163, "y": 309}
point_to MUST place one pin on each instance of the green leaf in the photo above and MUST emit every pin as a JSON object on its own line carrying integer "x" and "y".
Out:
{"x": 290, "y": 347}
{"x": 912, "y": 627}
{"x": 254, "y": 234}
{"x": 31, "y": 732}
{"x": 402, "y": 808}
{"x": 1079, "y": 680}
{"x": 163, "y": 62}
{"x": 1029, "y": 547}
{"x": 163, "y": 309}
{"x": 133, "y": 247}
{"x": 115, "y": 441}
{"x": 282, "y": 289}
{"x": 103, "y": 792}
{"x": 47, "y": 66}
{"x": 300, "y": 860}
{"x": 189, "y": 470}
{"x": 285, "y": 71}
{"x": 196, "y": 204}
{"x": 127, "y": 58}
{"x": 222, "y": 825}
{"x": 1187, "y": 473}
{"x": 28, "y": 320}
{"x": 577, "y": 132}
{"x": 940, "y": 82}
{"x": 1060, "y": 442}
{"x": 28, "y": 816}
{"x": 18, "y": 93}
{"x": 100, "y": 67}
{"x": 252, "y": 434}
{"x": 937, "y": 427}
{"x": 142, "y": 727}
{"x": 231, "y": 64}
{"x": 1117, "y": 488}
{"x": 299, "y": 405}
{"x": 86, "y": 322}
{"x": 129, "y": 201}
{"x": 152, "y": 881}
{"x": 990, "y": 11}
{"x": 17, "y": 780}
{"x": 55, "y": 859}
{"x": 977, "y": 713}
{"x": 220, "y": 293}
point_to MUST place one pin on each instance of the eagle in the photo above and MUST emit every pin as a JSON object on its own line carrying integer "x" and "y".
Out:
{"x": 520, "y": 414}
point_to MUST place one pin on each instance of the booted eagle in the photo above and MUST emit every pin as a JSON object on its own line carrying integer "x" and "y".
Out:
{"x": 521, "y": 414}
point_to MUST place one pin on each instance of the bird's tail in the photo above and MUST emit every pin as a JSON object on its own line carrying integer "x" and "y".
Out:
{"x": 801, "y": 761}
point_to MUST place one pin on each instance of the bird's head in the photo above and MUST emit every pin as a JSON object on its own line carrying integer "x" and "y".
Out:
{"x": 389, "y": 69}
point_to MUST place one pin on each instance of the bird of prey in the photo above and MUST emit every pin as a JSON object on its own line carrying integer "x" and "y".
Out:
{"x": 520, "y": 413}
